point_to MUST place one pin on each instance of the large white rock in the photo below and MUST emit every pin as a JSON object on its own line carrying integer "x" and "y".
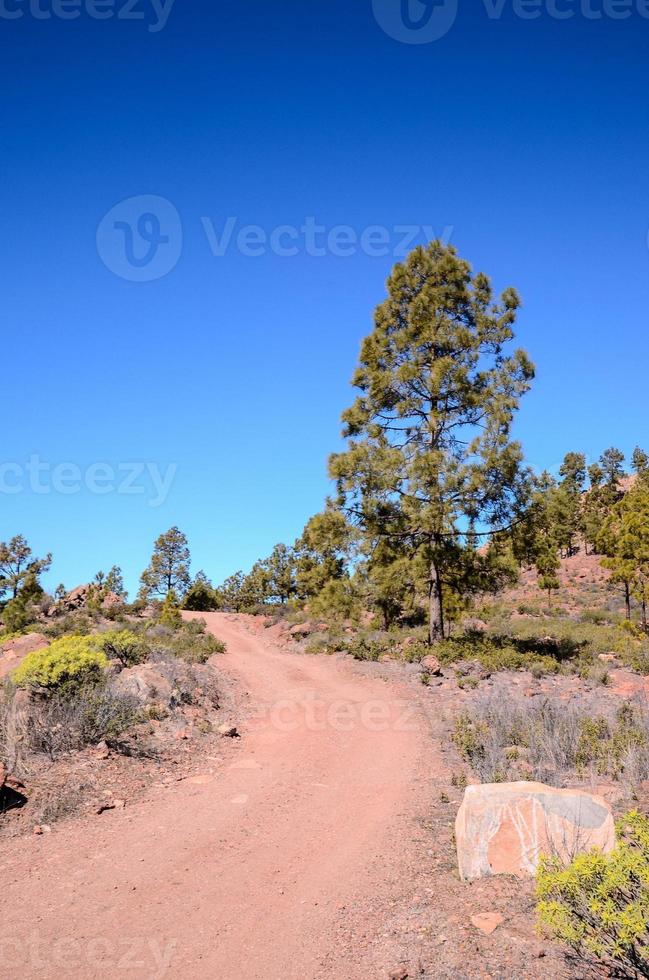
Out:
{"x": 503, "y": 828}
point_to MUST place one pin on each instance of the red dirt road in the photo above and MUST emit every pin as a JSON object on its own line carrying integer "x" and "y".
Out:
{"x": 260, "y": 867}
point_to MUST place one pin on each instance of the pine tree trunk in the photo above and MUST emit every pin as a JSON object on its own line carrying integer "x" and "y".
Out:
{"x": 644, "y": 612}
{"x": 435, "y": 607}
{"x": 627, "y": 601}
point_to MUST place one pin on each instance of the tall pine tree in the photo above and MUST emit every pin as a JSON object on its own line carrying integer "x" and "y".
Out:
{"x": 430, "y": 453}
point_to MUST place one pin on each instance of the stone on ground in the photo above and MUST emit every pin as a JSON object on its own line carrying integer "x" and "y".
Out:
{"x": 504, "y": 828}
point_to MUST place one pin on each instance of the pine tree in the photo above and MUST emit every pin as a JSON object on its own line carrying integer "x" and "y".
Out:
{"x": 323, "y": 551}
{"x": 17, "y": 563}
{"x": 640, "y": 462}
{"x": 201, "y": 595}
{"x": 169, "y": 567}
{"x": 429, "y": 451}
{"x": 625, "y": 541}
{"x": 280, "y": 574}
{"x": 612, "y": 463}
{"x": 115, "y": 582}
{"x": 537, "y": 539}
{"x": 170, "y": 615}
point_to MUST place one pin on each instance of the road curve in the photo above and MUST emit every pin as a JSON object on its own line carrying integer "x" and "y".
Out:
{"x": 253, "y": 871}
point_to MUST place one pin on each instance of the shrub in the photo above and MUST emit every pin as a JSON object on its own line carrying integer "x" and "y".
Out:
{"x": 69, "y": 662}
{"x": 66, "y": 724}
{"x": 368, "y": 647}
{"x": 558, "y": 740}
{"x": 17, "y": 615}
{"x": 170, "y": 613}
{"x": 502, "y": 653}
{"x": 189, "y": 643}
{"x": 599, "y": 904}
{"x": 79, "y": 623}
{"x": 125, "y": 646}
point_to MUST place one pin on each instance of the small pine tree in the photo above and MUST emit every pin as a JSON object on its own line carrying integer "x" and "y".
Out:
{"x": 169, "y": 567}
{"x": 170, "y": 615}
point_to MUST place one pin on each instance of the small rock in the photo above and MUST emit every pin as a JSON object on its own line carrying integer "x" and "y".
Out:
{"x": 228, "y": 731}
{"x": 42, "y": 828}
{"x": 487, "y": 922}
{"x": 102, "y": 751}
{"x": 431, "y": 665}
{"x": 400, "y": 974}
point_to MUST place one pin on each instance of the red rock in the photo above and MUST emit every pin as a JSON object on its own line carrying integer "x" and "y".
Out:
{"x": 487, "y": 922}
{"x": 431, "y": 665}
{"x": 13, "y": 652}
{"x": 112, "y": 601}
{"x": 503, "y": 828}
{"x": 302, "y": 629}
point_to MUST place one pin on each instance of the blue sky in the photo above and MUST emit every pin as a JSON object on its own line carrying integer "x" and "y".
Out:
{"x": 525, "y": 141}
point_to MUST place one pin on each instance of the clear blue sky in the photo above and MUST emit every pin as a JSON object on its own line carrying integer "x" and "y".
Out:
{"x": 529, "y": 138}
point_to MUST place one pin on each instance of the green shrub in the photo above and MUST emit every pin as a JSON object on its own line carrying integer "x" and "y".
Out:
{"x": 190, "y": 642}
{"x": 125, "y": 646}
{"x": 501, "y": 653}
{"x": 69, "y": 662}
{"x": 599, "y": 904}
{"x": 170, "y": 613}
{"x": 17, "y": 615}
{"x": 79, "y": 623}
{"x": 363, "y": 646}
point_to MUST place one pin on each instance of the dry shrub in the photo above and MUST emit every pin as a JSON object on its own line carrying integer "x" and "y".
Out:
{"x": 556, "y": 741}
{"x": 60, "y": 724}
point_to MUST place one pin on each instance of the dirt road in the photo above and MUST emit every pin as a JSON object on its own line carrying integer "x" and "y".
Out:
{"x": 263, "y": 866}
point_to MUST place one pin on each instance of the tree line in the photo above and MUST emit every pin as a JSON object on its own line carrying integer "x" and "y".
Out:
{"x": 433, "y": 502}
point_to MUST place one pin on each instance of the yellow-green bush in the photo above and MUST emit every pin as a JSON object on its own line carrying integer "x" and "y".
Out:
{"x": 125, "y": 646}
{"x": 70, "y": 660}
{"x": 599, "y": 904}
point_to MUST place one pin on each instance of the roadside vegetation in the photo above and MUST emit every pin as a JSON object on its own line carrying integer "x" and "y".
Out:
{"x": 599, "y": 905}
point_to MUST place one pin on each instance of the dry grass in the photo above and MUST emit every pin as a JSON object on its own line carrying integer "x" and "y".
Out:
{"x": 504, "y": 737}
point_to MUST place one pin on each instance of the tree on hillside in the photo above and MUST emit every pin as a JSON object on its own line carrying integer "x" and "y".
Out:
{"x": 539, "y": 537}
{"x": 201, "y": 595}
{"x": 230, "y": 595}
{"x": 640, "y": 462}
{"x": 624, "y": 540}
{"x": 601, "y": 497}
{"x": 115, "y": 582}
{"x": 612, "y": 463}
{"x": 17, "y": 563}
{"x": 280, "y": 574}
{"x": 169, "y": 567}
{"x": 573, "y": 472}
{"x": 429, "y": 451}
{"x": 323, "y": 551}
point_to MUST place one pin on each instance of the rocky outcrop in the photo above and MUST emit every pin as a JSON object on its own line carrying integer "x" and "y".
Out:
{"x": 111, "y": 601}
{"x": 504, "y": 828}
{"x": 10, "y": 785}
{"x": 144, "y": 683}
{"x": 13, "y": 652}
{"x": 76, "y": 599}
